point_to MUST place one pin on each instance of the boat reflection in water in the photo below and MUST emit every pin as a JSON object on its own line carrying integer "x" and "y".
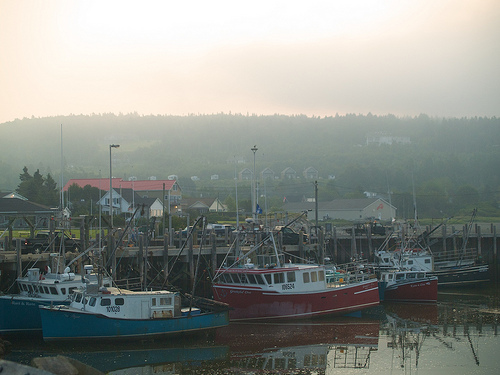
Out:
{"x": 457, "y": 335}
{"x": 147, "y": 357}
{"x": 337, "y": 343}
{"x": 444, "y": 337}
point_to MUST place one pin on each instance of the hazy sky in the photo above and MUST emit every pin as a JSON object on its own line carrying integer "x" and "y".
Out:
{"x": 439, "y": 57}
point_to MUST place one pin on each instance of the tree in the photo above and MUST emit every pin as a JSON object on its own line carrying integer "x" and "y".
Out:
{"x": 38, "y": 189}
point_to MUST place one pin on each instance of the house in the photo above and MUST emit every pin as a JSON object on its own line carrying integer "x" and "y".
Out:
{"x": 346, "y": 209}
{"x": 14, "y": 194}
{"x": 127, "y": 200}
{"x": 203, "y": 205}
{"x": 310, "y": 173}
{"x": 245, "y": 174}
{"x": 145, "y": 188}
{"x": 288, "y": 173}
{"x": 200, "y": 205}
{"x": 386, "y": 139}
{"x": 217, "y": 206}
{"x": 267, "y": 174}
{"x": 21, "y": 213}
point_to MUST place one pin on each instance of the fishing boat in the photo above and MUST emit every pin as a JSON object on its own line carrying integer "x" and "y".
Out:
{"x": 271, "y": 288}
{"x": 113, "y": 313}
{"x": 20, "y": 312}
{"x": 407, "y": 286}
{"x": 96, "y": 311}
{"x": 413, "y": 252}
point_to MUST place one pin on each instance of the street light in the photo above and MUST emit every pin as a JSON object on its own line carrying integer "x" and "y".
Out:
{"x": 254, "y": 206}
{"x": 111, "y": 185}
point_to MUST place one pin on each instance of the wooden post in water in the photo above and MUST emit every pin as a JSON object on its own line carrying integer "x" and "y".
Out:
{"x": 213, "y": 254}
{"x": 370, "y": 245}
{"x": 140, "y": 260}
{"x": 301, "y": 243}
{"x": 335, "y": 248}
{"x": 19, "y": 260}
{"x": 191, "y": 261}
{"x": 165, "y": 258}
{"x": 353, "y": 244}
{"x": 321, "y": 244}
{"x": 478, "y": 231}
{"x": 443, "y": 233}
{"x": 495, "y": 259}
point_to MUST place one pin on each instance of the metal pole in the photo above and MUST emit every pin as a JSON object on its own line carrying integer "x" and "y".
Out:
{"x": 110, "y": 234}
{"x": 254, "y": 207}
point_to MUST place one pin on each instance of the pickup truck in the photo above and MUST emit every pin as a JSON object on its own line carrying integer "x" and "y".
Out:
{"x": 41, "y": 241}
{"x": 362, "y": 229}
{"x": 290, "y": 237}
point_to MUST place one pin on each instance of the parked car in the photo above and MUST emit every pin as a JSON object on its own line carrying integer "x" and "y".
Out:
{"x": 220, "y": 229}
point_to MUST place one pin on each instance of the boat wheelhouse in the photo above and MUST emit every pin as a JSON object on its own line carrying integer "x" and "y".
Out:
{"x": 20, "y": 312}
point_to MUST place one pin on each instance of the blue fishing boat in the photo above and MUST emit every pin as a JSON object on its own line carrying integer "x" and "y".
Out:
{"x": 114, "y": 313}
{"x": 20, "y": 312}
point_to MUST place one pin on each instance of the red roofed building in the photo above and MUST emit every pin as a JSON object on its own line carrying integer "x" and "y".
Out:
{"x": 145, "y": 188}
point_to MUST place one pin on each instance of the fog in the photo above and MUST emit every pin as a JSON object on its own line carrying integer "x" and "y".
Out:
{"x": 318, "y": 58}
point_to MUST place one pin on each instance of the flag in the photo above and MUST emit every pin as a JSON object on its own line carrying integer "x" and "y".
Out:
{"x": 258, "y": 209}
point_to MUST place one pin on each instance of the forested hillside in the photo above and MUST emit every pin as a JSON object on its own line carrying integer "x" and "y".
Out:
{"x": 451, "y": 163}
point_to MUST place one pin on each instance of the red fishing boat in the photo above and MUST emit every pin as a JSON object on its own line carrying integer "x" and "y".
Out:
{"x": 408, "y": 286}
{"x": 285, "y": 290}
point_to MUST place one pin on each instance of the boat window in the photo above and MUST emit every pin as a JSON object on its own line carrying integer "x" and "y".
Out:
{"x": 105, "y": 302}
{"x": 119, "y": 301}
{"x": 279, "y": 363}
{"x": 314, "y": 276}
{"x": 30, "y": 288}
{"x": 63, "y": 290}
{"x": 236, "y": 278}
{"x": 279, "y": 278}
{"x": 78, "y": 297}
{"x": 164, "y": 301}
{"x": 268, "y": 278}
{"x": 72, "y": 290}
{"x": 321, "y": 275}
{"x": 290, "y": 277}
{"x": 244, "y": 279}
{"x": 53, "y": 290}
{"x": 259, "y": 279}
{"x": 153, "y": 301}
{"x": 92, "y": 301}
{"x": 410, "y": 261}
{"x": 411, "y": 276}
{"x": 400, "y": 276}
{"x": 251, "y": 278}
{"x": 390, "y": 276}
{"x": 427, "y": 260}
{"x": 22, "y": 286}
{"x": 421, "y": 275}
{"x": 306, "y": 277}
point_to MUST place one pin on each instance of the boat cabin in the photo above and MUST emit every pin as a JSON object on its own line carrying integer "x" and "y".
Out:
{"x": 394, "y": 277}
{"x": 126, "y": 304}
{"x": 287, "y": 279}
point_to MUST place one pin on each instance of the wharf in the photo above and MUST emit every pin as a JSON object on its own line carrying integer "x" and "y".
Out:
{"x": 338, "y": 245}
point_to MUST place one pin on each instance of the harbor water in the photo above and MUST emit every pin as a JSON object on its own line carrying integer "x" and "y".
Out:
{"x": 458, "y": 335}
